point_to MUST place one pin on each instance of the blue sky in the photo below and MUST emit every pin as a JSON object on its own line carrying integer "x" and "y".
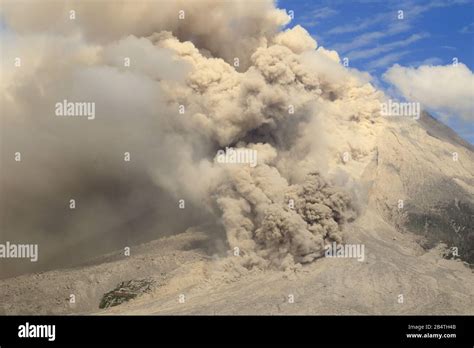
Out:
{"x": 370, "y": 34}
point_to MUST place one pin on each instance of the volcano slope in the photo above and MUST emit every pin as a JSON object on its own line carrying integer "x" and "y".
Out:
{"x": 331, "y": 170}
{"x": 399, "y": 260}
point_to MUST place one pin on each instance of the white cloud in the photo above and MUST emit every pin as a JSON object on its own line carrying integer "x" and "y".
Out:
{"x": 360, "y": 24}
{"x": 315, "y": 16}
{"x": 468, "y": 29}
{"x": 372, "y": 52}
{"x": 390, "y": 16}
{"x": 370, "y": 37}
{"x": 428, "y": 61}
{"x": 386, "y": 60}
{"x": 324, "y": 12}
{"x": 447, "y": 90}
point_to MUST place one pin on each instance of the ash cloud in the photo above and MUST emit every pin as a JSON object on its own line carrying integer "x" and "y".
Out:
{"x": 289, "y": 100}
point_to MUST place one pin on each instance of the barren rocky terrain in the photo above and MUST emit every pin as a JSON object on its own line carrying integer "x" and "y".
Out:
{"x": 192, "y": 277}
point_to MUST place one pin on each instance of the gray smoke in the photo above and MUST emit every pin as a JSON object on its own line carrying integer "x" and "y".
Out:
{"x": 290, "y": 101}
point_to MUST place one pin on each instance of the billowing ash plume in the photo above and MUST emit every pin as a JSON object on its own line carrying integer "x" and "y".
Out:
{"x": 287, "y": 99}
